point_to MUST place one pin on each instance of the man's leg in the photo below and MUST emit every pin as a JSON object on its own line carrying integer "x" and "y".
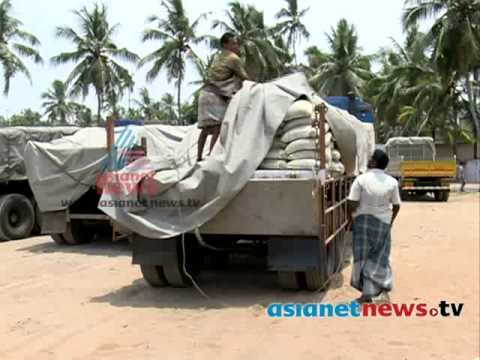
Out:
{"x": 215, "y": 131}
{"x": 201, "y": 143}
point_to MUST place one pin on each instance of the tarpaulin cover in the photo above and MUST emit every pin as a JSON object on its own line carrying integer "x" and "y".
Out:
{"x": 176, "y": 194}
{"x": 12, "y": 146}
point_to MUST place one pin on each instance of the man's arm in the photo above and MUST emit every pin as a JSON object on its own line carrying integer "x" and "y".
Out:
{"x": 236, "y": 65}
{"x": 353, "y": 201}
{"x": 352, "y": 207}
{"x": 396, "y": 201}
{"x": 396, "y": 210}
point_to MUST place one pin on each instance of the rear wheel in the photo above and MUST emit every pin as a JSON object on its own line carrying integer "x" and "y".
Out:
{"x": 154, "y": 275}
{"x": 184, "y": 254}
{"x": 288, "y": 280}
{"x": 58, "y": 238}
{"x": 17, "y": 217}
{"x": 442, "y": 195}
{"x": 77, "y": 233}
{"x": 314, "y": 280}
{"x": 446, "y": 195}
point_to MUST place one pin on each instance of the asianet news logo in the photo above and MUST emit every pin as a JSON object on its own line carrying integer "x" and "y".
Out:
{"x": 355, "y": 309}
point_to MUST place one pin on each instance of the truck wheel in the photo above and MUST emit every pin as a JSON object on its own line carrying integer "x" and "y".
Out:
{"x": 17, "y": 217}
{"x": 446, "y": 195}
{"x": 173, "y": 268}
{"x": 77, "y": 233}
{"x": 314, "y": 280}
{"x": 288, "y": 280}
{"x": 58, "y": 238}
{"x": 438, "y": 195}
{"x": 154, "y": 275}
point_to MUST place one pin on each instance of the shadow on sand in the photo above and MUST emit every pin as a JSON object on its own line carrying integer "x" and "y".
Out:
{"x": 99, "y": 247}
{"x": 231, "y": 289}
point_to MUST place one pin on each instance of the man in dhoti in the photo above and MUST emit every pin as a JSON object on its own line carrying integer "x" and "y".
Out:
{"x": 224, "y": 79}
{"x": 374, "y": 203}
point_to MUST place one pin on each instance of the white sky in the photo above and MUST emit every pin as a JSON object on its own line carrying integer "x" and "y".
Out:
{"x": 376, "y": 21}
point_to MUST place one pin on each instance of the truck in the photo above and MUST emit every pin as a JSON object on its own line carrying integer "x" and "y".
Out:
{"x": 413, "y": 162}
{"x": 298, "y": 225}
{"x": 19, "y": 216}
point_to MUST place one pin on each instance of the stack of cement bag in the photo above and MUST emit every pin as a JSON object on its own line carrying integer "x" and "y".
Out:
{"x": 296, "y": 145}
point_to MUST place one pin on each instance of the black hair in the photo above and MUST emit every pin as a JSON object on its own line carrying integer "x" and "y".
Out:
{"x": 381, "y": 159}
{"x": 226, "y": 38}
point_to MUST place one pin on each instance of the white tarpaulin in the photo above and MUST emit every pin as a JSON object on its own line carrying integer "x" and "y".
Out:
{"x": 12, "y": 146}
{"x": 61, "y": 171}
{"x": 251, "y": 122}
{"x": 179, "y": 194}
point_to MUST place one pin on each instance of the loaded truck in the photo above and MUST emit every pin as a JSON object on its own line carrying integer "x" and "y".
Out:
{"x": 19, "y": 215}
{"x": 413, "y": 162}
{"x": 297, "y": 224}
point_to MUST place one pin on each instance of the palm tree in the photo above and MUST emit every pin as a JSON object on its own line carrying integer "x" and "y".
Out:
{"x": 167, "y": 106}
{"x": 95, "y": 55}
{"x": 149, "y": 108}
{"x": 405, "y": 68}
{"x": 264, "y": 60}
{"x": 455, "y": 38}
{"x": 12, "y": 48}
{"x": 57, "y": 106}
{"x": 175, "y": 34}
{"x": 292, "y": 27}
{"x": 344, "y": 70}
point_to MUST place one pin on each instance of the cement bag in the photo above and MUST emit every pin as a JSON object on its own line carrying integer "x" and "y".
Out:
{"x": 336, "y": 167}
{"x": 278, "y": 144}
{"x": 276, "y": 154}
{"x": 299, "y": 109}
{"x": 301, "y": 132}
{"x": 289, "y": 125}
{"x": 345, "y": 136}
{"x": 303, "y": 164}
{"x": 273, "y": 165}
{"x": 309, "y": 154}
{"x": 306, "y": 144}
{"x": 336, "y": 156}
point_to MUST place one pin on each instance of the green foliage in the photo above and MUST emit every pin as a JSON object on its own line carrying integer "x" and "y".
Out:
{"x": 95, "y": 56}
{"x": 264, "y": 59}
{"x": 15, "y": 43}
{"x": 344, "y": 69}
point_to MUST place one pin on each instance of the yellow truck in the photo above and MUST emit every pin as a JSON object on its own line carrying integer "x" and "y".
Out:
{"x": 414, "y": 164}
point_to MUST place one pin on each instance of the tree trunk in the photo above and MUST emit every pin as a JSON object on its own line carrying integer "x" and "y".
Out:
{"x": 472, "y": 99}
{"x": 179, "y": 101}
{"x": 99, "y": 108}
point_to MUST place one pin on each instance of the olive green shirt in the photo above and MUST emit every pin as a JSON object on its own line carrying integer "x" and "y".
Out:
{"x": 226, "y": 64}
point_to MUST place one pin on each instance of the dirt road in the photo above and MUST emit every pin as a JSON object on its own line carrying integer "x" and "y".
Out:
{"x": 89, "y": 302}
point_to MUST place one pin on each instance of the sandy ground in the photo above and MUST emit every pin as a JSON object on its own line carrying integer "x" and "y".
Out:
{"x": 89, "y": 302}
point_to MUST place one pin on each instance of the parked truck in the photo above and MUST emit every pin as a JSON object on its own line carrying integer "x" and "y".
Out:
{"x": 414, "y": 163}
{"x": 297, "y": 224}
{"x": 18, "y": 214}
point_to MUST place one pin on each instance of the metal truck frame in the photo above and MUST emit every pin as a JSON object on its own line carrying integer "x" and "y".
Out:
{"x": 298, "y": 225}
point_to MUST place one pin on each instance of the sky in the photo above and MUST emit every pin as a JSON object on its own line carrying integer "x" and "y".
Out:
{"x": 376, "y": 21}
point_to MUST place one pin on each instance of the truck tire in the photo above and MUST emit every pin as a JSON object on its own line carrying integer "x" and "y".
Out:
{"x": 154, "y": 275}
{"x": 442, "y": 195}
{"x": 17, "y": 217}
{"x": 58, "y": 238}
{"x": 288, "y": 280}
{"x": 77, "y": 233}
{"x": 314, "y": 280}
{"x": 446, "y": 195}
{"x": 173, "y": 269}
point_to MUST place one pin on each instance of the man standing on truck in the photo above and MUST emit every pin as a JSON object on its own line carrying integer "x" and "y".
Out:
{"x": 224, "y": 79}
{"x": 374, "y": 203}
